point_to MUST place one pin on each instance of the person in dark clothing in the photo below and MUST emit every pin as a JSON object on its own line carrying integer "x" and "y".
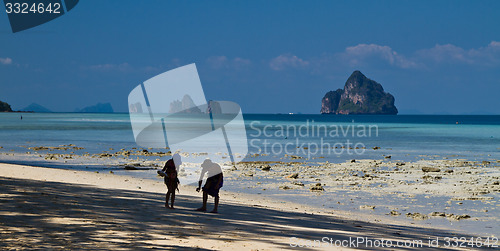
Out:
{"x": 169, "y": 172}
{"x": 212, "y": 185}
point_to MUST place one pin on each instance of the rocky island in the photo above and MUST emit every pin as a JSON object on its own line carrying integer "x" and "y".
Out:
{"x": 4, "y": 107}
{"x": 99, "y": 108}
{"x": 34, "y": 107}
{"x": 360, "y": 95}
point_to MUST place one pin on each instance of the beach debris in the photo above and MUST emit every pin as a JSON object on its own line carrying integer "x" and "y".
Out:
{"x": 51, "y": 148}
{"x": 201, "y": 154}
{"x": 284, "y": 187}
{"x": 51, "y": 157}
{"x": 417, "y": 216}
{"x": 366, "y": 207}
{"x": 298, "y": 183}
{"x": 394, "y": 213}
{"x": 426, "y": 169}
{"x": 130, "y": 168}
{"x": 430, "y": 177}
{"x": 133, "y": 164}
{"x": 293, "y": 176}
{"x": 144, "y": 152}
{"x": 265, "y": 168}
{"x": 317, "y": 187}
{"x": 388, "y": 157}
{"x": 462, "y": 163}
{"x": 400, "y": 164}
{"x": 441, "y": 214}
{"x": 293, "y": 156}
{"x": 458, "y": 216}
{"x": 471, "y": 198}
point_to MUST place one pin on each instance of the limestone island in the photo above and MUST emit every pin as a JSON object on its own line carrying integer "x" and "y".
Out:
{"x": 360, "y": 95}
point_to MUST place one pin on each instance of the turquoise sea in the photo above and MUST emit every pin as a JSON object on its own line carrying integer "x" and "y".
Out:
{"x": 405, "y": 137}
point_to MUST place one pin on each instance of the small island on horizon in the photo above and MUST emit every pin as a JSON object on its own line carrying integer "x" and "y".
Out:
{"x": 360, "y": 95}
{"x": 36, "y": 108}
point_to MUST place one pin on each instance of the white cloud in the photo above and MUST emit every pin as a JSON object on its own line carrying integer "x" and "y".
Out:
{"x": 217, "y": 62}
{"x": 222, "y": 62}
{"x": 111, "y": 67}
{"x": 241, "y": 62}
{"x": 448, "y": 53}
{"x": 369, "y": 54}
{"x": 284, "y": 61}
{"x": 444, "y": 53}
{"x": 360, "y": 53}
{"x": 6, "y": 61}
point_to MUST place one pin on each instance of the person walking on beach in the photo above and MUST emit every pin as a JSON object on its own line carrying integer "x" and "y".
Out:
{"x": 212, "y": 185}
{"x": 169, "y": 172}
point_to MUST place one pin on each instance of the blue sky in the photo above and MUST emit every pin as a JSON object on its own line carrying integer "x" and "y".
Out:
{"x": 435, "y": 57}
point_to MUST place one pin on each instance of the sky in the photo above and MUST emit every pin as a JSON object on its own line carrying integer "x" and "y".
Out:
{"x": 435, "y": 57}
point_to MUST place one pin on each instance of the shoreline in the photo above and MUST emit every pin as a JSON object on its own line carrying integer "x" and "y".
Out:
{"x": 82, "y": 205}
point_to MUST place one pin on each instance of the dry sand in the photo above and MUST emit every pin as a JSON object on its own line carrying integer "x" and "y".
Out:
{"x": 44, "y": 208}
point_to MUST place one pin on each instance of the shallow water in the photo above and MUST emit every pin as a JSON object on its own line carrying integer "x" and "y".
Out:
{"x": 403, "y": 137}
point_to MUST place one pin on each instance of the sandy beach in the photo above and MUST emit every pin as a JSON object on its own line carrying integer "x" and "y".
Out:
{"x": 434, "y": 191}
{"x": 64, "y": 209}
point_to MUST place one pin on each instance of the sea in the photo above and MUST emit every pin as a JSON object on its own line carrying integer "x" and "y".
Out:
{"x": 334, "y": 138}
{"x": 310, "y": 138}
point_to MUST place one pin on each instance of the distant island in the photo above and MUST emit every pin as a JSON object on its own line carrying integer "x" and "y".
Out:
{"x": 34, "y": 107}
{"x": 99, "y": 108}
{"x": 360, "y": 95}
{"x": 4, "y": 107}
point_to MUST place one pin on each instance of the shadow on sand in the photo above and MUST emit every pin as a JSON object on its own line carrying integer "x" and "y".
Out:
{"x": 37, "y": 214}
